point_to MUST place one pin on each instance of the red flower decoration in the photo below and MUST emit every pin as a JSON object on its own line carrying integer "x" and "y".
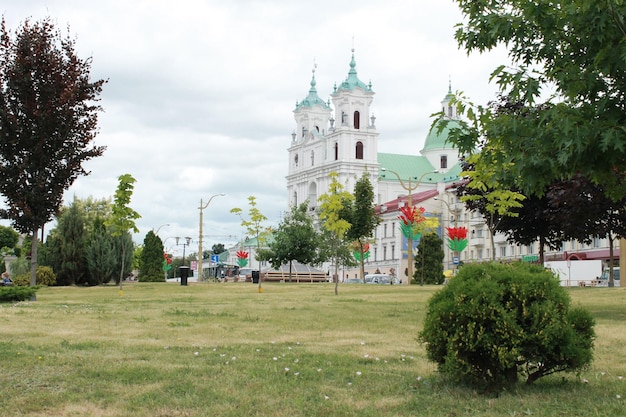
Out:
{"x": 242, "y": 255}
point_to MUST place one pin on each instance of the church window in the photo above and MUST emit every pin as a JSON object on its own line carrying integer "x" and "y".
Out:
{"x": 443, "y": 161}
{"x": 295, "y": 198}
{"x": 357, "y": 120}
{"x": 312, "y": 158}
{"x": 344, "y": 118}
{"x": 449, "y": 111}
{"x": 359, "y": 150}
{"x": 336, "y": 151}
{"x": 295, "y": 160}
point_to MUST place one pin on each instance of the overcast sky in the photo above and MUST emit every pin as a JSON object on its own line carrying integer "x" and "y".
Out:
{"x": 200, "y": 94}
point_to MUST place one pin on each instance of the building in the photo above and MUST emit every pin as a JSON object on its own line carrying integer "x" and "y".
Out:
{"x": 339, "y": 135}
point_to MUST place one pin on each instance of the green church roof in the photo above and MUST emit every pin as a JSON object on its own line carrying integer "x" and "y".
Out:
{"x": 407, "y": 166}
{"x": 352, "y": 81}
{"x": 439, "y": 140}
{"x": 312, "y": 99}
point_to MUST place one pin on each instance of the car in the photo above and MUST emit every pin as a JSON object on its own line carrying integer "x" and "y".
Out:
{"x": 382, "y": 279}
{"x": 353, "y": 281}
{"x": 245, "y": 274}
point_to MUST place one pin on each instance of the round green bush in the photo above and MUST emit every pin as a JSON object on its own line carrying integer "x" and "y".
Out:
{"x": 494, "y": 323}
{"x": 44, "y": 276}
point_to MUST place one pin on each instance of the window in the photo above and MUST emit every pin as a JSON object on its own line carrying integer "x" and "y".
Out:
{"x": 357, "y": 120}
{"x": 375, "y": 253}
{"x": 443, "y": 162}
{"x": 295, "y": 160}
{"x": 393, "y": 229}
{"x": 384, "y": 252}
{"x": 312, "y": 158}
{"x": 479, "y": 253}
{"x": 359, "y": 150}
{"x": 393, "y": 251}
{"x": 336, "y": 151}
{"x": 503, "y": 252}
{"x": 385, "y": 230}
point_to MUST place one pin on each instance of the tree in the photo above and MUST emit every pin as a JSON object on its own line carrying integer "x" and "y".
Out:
{"x": 123, "y": 220}
{"x": 332, "y": 207}
{"x": 254, "y": 227}
{"x": 73, "y": 257}
{"x": 295, "y": 239}
{"x": 217, "y": 248}
{"x": 429, "y": 260}
{"x": 361, "y": 215}
{"x": 151, "y": 259}
{"x": 8, "y": 237}
{"x": 575, "y": 50}
{"x": 48, "y": 117}
{"x": 102, "y": 257}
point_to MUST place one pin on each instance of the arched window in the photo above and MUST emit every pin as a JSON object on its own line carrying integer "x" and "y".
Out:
{"x": 295, "y": 198}
{"x": 312, "y": 158}
{"x": 443, "y": 162}
{"x": 357, "y": 120}
{"x": 359, "y": 150}
{"x": 336, "y": 151}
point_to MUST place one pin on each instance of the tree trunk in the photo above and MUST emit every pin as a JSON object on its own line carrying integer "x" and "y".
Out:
{"x": 33, "y": 263}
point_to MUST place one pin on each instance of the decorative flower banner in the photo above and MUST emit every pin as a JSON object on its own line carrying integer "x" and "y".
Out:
{"x": 457, "y": 238}
{"x": 410, "y": 218}
{"x": 242, "y": 258}
{"x": 167, "y": 262}
{"x": 357, "y": 253}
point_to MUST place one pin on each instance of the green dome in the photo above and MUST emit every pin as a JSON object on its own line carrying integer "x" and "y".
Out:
{"x": 439, "y": 140}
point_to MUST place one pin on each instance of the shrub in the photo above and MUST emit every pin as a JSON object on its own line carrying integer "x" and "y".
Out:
{"x": 10, "y": 294}
{"x": 44, "y": 276}
{"x": 494, "y": 323}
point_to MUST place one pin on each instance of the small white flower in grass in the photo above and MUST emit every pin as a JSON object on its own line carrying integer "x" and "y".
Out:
{"x": 602, "y": 373}
{"x": 222, "y": 355}
{"x": 234, "y": 358}
{"x": 296, "y": 373}
{"x": 297, "y": 343}
{"x": 289, "y": 348}
{"x": 585, "y": 381}
{"x": 366, "y": 356}
{"x": 419, "y": 378}
{"x": 272, "y": 342}
{"x": 258, "y": 350}
{"x": 166, "y": 347}
{"x": 319, "y": 369}
{"x": 275, "y": 358}
{"x": 359, "y": 373}
{"x": 227, "y": 362}
{"x": 377, "y": 359}
{"x": 362, "y": 342}
{"x": 620, "y": 377}
{"x": 326, "y": 397}
{"x": 618, "y": 396}
{"x": 196, "y": 353}
{"x": 286, "y": 369}
{"x": 296, "y": 360}
{"x": 349, "y": 383}
{"x": 214, "y": 349}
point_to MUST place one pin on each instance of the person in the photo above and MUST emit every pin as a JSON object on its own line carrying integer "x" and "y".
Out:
{"x": 377, "y": 271}
{"x": 6, "y": 279}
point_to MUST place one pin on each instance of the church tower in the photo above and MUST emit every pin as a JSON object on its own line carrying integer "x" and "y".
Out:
{"x": 345, "y": 143}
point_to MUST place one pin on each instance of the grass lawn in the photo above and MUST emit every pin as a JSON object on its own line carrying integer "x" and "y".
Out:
{"x": 293, "y": 350}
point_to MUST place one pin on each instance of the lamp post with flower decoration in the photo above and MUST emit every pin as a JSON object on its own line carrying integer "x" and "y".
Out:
{"x": 409, "y": 216}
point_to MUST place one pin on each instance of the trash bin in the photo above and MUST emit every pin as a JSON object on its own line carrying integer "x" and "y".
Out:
{"x": 255, "y": 277}
{"x": 184, "y": 273}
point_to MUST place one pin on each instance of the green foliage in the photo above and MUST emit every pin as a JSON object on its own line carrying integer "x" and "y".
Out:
{"x": 8, "y": 237}
{"x": 151, "y": 259}
{"x": 19, "y": 266}
{"x": 73, "y": 255}
{"x": 493, "y": 322}
{"x": 361, "y": 215}
{"x": 102, "y": 256}
{"x": 122, "y": 220}
{"x": 429, "y": 260}
{"x": 44, "y": 276}
{"x": 574, "y": 50}
{"x": 17, "y": 293}
{"x": 295, "y": 239}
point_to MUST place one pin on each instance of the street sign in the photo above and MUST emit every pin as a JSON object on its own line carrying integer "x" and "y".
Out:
{"x": 455, "y": 260}
{"x": 215, "y": 259}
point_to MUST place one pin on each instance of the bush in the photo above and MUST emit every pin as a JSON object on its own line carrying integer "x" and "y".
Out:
{"x": 44, "y": 276}
{"x": 494, "y": 323}
{"x": 10, "y": 294}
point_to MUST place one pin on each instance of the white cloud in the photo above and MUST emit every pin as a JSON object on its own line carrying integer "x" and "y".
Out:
{"x": 200, "y": 94}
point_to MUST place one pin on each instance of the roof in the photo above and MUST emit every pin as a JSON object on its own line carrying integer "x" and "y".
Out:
{"x": 407, "y": 166}
{"x": 439, "y": 140}
{"x": 395, "y": 204}
{"x": 312, "y": 99}
{"x": 352, "y": 81}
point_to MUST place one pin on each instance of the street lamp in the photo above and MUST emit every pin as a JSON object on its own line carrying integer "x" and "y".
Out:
{"x": 159, "y": 228}
{"x": 184, "y": 244}
{"x": 409, "y": 187}
{"x": 200, "y": 254}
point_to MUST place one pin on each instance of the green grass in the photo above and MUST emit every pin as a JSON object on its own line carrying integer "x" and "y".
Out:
{"x": 293, "y": 350}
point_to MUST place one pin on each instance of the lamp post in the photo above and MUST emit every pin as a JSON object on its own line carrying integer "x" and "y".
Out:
{"x": 159, "y": 228}
{"x": 200, "y": 254}
{"x": 409, "y": 187}
{"x": 453, "y": 213}
{"x": 184, "y": 244}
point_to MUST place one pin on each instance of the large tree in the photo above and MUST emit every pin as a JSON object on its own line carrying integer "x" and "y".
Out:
{"x": 48, "y": 120}
{"x": 102, "y": 257}
{"x": 72, "y": 251}
{"x": 429, "y": 260}
{"x": 362, "y": 217}
{"x": 567, "y": 68}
